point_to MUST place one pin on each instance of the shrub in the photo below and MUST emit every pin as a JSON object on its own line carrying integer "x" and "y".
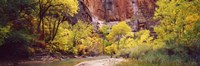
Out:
{"x": 138, "y": 51}
{"x": 17, "y": 44}
{"x": 155, "y": 57}
{"x": 3, "y": 33}
{"x": 111, "y": 50}
{"x": 138, "y": 44}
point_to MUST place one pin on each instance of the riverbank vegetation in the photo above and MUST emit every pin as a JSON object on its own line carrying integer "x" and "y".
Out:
{"x": 178, "y": 35}
{"x": 32, "y": 27}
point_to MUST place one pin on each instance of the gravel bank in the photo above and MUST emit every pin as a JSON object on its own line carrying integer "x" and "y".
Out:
{"x": 102, "y": 62}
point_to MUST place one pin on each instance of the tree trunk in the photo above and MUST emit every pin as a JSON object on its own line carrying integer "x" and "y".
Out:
{"x": 103, "y": 46}
{"x": 56, "y": 30}
{"x": 118, "y": 42}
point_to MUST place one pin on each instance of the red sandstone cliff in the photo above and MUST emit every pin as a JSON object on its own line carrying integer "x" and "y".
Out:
{"x": 116, "y": 10}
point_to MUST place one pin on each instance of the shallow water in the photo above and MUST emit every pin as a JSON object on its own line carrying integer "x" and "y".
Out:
{"x": 67, "y": 62}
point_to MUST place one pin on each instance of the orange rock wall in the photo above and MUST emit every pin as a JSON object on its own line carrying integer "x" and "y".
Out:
{"x": 120, "y": 9}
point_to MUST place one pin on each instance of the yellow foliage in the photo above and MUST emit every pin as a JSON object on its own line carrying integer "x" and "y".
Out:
{"x": 117, "y": 30}
{"x": 3, "y": 33}
{"x": 59, "y": 7}
{"x": 157, "y": 44}
{"x": 144, "y": 36}
{"x": 192, "y": 18}
{"x": 111, "y": 49}
{"x": 71, "y": 5}
{"x": 141, "y": 41}
{"x": 81, "y": 47}
{"x": 178, "y": 20}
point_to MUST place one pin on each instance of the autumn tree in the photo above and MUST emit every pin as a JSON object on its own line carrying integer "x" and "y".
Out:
{"x": 52, "y": 13}
{"x": 22, "y": 21}
{"x": 72, "y": 37}
{"x": 118, "y": 31}
{"x": 104, "y": 30}
{"x": 179, "y": 20}
{"x": 179, "y": 26}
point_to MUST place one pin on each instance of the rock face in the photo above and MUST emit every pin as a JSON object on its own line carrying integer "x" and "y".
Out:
{"x": 95, "y": 7}
{"x": 147, "y": 7}
{"x": 84, "y": 14}
{"x": 117, "y": 10}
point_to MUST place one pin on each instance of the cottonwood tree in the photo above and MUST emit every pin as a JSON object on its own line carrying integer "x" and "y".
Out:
{"x": 179, "y": 20}
{"x": 179, "y": 25}
{"x": 118, "y": 31}
{"x": 104, "y": 30}
{"x": 52, "y": 13}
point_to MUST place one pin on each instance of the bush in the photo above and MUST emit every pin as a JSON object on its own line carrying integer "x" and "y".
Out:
{"x": 17, "y": 45}
{"x": 155, "y": 57}
{"x": 172, "y": 53}
{"x": 125, "y": 53}
{"x": 111, "y": 50}
{"x": 77, "y": 39}
{"x": 3, "y": 33}
{"x": 139, "y": 51}
{"x": 139, "y": 44}
{"x": 161, "y": 57}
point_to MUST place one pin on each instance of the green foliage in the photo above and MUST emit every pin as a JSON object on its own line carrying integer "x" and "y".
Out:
{"x": 3, "y": 33}
{"x": 19, "y": 37}
{"x": 104, "y": 30}
{"x": 155, "y": 57}
{"x": 17, "y": 44}
{"x": 11, "y": 9}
